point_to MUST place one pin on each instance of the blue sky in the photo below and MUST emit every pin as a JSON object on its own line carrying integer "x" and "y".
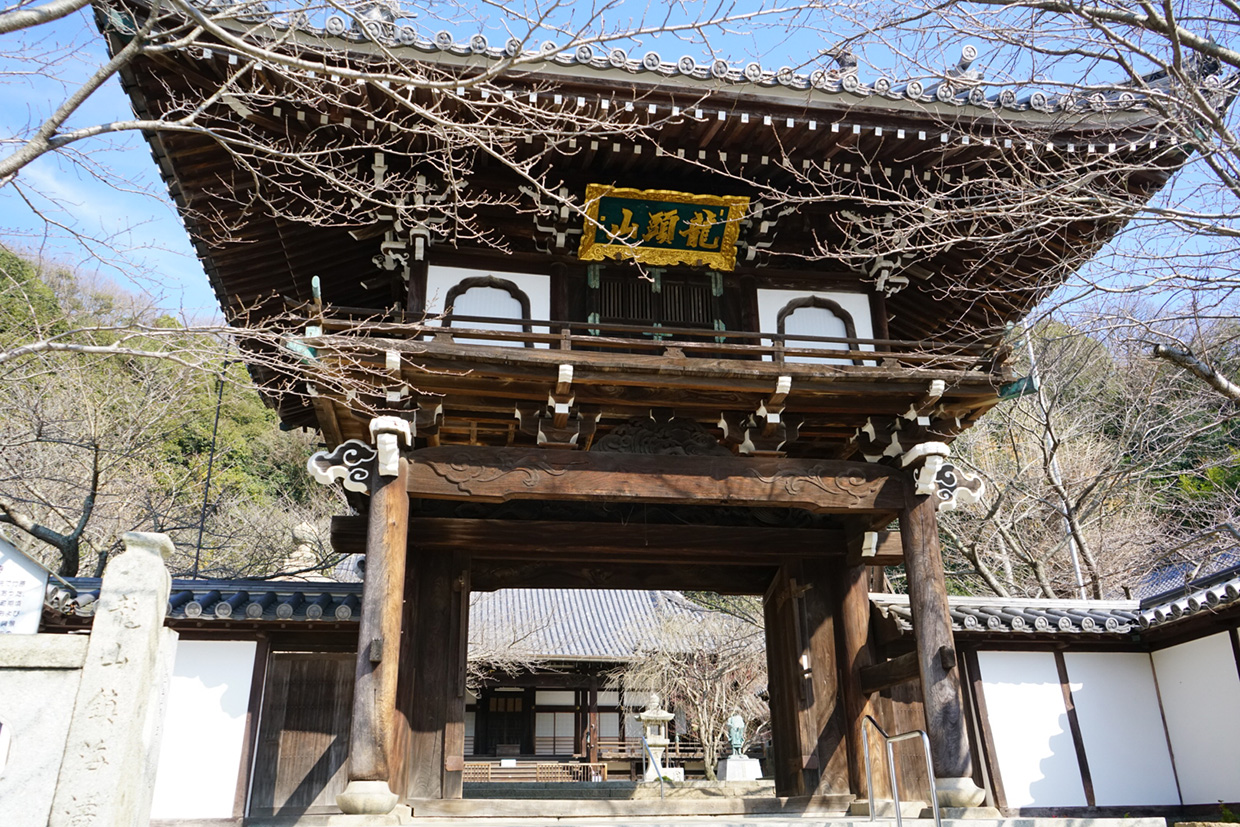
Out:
{"x": 132, "y": 233}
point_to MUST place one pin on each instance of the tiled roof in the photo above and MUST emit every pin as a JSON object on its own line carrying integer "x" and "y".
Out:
{"x": 1202, "y": 595}
{"x": 1089, "y": 617}
{"x": 1176, "y": 575}
{"x": 954, "y": 85}
{"x": 583, "y": 624}
{"x": 573, "y": 624}
{"x": 319, "y": 600}
{"x": 567, "y": 624}
{"x": 1022, "y": 615}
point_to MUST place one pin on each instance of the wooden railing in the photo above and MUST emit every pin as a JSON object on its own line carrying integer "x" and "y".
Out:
{"x": 541, "y": 772}
{"x": 476, "y": 772}
{"x": 662, "y": 341}
{"x": 632, "y": 748}
{"x": 565, "y": 773}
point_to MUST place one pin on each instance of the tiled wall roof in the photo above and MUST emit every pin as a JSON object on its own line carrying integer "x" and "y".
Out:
{"x": 579, "y": 624}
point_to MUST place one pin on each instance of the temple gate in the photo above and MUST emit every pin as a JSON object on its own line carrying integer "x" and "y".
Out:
{"x": 722, "y": 303}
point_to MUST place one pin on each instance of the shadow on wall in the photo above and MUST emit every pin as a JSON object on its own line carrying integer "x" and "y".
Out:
{"x": 212, "y": 672}
{"x": 1060, "y": 783}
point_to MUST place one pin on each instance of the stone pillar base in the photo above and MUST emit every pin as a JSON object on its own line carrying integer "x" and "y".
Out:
{"x": 959, "y": 793}
{"x": 886, "y": 808}
{"x": 739, "y": 768}
{"x": 945, "y": 813}
{"x": 373, "y": 798}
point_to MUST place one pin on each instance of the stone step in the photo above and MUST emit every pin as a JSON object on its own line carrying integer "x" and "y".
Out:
{"x": 619, "y": 790}
{"x": 791, "y": 816}
{"x": 695, "y": 805}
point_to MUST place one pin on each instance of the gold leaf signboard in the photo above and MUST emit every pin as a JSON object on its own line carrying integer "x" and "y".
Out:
{"x": 661, "y": 227}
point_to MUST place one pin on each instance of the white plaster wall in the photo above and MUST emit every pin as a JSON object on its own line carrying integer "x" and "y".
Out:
{"x": 1121, "y": 727}
{"x": 439, "y": 280}
{"x": 1033, "y": 744}
{"x": 206, "y": 716}
{"x": 1200, "y": 691}
{"x": 857, "y": 305}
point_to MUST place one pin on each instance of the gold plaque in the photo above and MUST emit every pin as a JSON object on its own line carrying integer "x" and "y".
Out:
{"x": 661, "y": 227}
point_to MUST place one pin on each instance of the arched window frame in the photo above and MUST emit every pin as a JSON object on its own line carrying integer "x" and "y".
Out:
{"x": 823, "y": 303}
{"x": 465, "y": 285}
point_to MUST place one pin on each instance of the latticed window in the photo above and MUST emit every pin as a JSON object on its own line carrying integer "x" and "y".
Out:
{"x": 619, "y": 295}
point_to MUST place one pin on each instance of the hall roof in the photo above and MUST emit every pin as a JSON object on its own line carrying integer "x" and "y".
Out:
{"x": 574, "y": 624}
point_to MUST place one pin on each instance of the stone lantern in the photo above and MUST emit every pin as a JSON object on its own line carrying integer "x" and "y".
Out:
{"x": 654, "y": 723}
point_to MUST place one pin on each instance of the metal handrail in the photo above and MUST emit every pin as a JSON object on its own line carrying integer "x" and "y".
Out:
{"x": 888, "y": 740}
{"x": 653, "y": 762}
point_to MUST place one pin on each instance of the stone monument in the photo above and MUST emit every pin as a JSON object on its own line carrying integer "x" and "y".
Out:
{"x": 738, "y": 766}
{"x": 107, "y": 775}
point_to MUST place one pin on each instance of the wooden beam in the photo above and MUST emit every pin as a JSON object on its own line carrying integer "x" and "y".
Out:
{"x": 488, "y": 575}
{"x": 597, "y": 541}
{"x": 889, "y": 673}
{"x": 502, "y": 474}
{"x": 875, "y": 548}
{"x": 620, "y": 542}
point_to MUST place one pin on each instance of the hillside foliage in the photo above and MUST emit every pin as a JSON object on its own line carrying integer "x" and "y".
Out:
{"x": 92, "y": 446}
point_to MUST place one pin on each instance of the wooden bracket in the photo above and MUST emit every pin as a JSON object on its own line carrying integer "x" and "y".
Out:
{"x": 764, "y": 432}
{"x": 875, "y": 548}
{"x": 375, "y": 653}
{"x": 920, "y": 410}
{"x": 947, "y": 658}
{"x": 560, "y": 423}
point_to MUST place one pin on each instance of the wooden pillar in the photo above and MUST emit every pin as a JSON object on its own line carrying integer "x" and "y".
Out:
{"x": 932, "y": 628}
{"x": 437, "y": 621}
{"x": 373, "y": 729}
{"x": 791, "y": 757}
{"x": 855, "y": 654}
{"x": 807, "y": 721}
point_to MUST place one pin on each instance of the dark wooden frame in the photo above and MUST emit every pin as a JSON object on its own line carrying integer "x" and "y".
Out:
{"x": 823, "y": 303}
{"x": 465, "y": 285}
{"x": 1074, "y": 726}
{"x": 253, "y": 712}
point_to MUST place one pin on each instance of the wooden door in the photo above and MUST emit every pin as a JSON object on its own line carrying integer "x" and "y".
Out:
{"x": 303, "y": 738}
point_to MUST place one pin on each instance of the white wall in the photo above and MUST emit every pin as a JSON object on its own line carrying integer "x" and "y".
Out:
{"x": 1200, "y": 691}
{"x": 204, "y": 729}
{"x": 439, "y": 280}
{"x": 1033, "y": 744}
{"x": 1121, "y": 727}
{"x": 857, "y": 305}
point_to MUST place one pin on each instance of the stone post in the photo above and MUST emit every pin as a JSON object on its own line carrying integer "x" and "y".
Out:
{"x": 107, "y": 776}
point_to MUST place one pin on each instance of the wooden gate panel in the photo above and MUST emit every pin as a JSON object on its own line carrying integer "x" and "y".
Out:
{"x": 301, "y": 761}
